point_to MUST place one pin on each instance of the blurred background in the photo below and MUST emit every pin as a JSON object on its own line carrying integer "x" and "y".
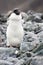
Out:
{"x": 24, "y": 5}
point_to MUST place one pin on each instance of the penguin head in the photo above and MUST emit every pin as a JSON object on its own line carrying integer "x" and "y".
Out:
{"x": 15, "y": 15}
{"x": 16, "y": 11}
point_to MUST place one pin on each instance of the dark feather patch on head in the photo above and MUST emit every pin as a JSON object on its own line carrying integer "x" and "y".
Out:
{"x": 16, "y": 11}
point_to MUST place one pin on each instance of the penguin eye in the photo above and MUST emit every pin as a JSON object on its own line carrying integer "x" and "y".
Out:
{"x": 17, "y": 12}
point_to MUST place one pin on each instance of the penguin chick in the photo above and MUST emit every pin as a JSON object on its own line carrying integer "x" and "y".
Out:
{"x": 15, "y": 30}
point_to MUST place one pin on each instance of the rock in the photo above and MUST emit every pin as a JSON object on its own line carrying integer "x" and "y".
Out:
{"x": 0, "y": 40}
{"x": 30, "y": 17}
{"x": 7, "y": 53}
{"x": 11, "y": 59}
{"x": 28, "y": 26}
{"x": 33, "y": 27}
{"x": 20, "y": 62}
{"x": 37, "y": 60}
{"x": 3, "y": 19}
{"x": 30, "y": 12}
{"x": 3, "y": 28}
{"x": 37, "y": 29}
{"x": 37, "y": 20}
{"x": 30, "y": 41}
{"x": 40, "y": 36}
{"x": 4, "y": 62}
{"x": 42, "y": 17}
{"x": 37, "y": 15}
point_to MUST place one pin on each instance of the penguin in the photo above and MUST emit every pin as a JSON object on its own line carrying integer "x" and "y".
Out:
{"x": 15, "y": 30}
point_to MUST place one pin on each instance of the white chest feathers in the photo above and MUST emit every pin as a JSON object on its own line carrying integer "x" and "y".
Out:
{"x": 14, "y": 32}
